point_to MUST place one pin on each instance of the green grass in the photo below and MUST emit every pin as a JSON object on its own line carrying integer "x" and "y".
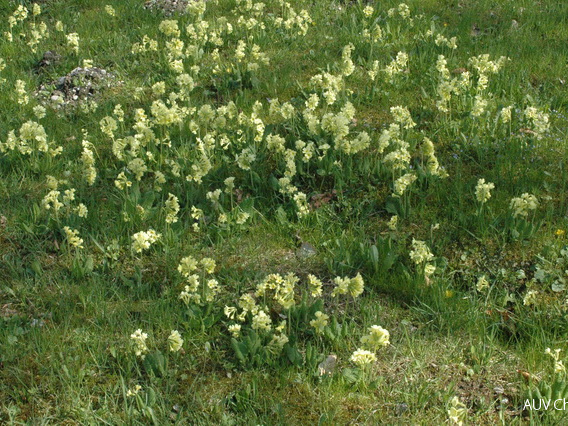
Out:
{"x": 67, "y": 313}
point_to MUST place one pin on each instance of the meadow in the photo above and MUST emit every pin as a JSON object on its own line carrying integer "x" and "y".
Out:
{"x": 305, "y": 212}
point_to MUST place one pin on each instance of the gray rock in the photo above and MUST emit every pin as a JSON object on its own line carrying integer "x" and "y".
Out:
{"x": 306, "y": 250}
{"x": 328, "y": 366}
{"x": 48, "y": 59}
{"x": 168, "y": 7}
{"x": 77, "y": 86}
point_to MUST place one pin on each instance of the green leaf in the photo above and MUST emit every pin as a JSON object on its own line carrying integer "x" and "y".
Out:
{"x": 351, "y": 375}
{"x": 375, "y": 257}
{"x": 238, "y": 352}
{"x": 155, "y": 363}
{"x": 294, "y": 356}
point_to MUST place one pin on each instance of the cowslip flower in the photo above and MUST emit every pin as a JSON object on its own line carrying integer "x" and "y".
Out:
{"x": 368, "y": 11}
{"x": 21, "y": 94}
{"x": 188, "y": 294}
{"x": 353, "y": 286}
{"x": 248, "y": 304}
{"x": 73, "y": 237}
{"x": 402, "y": 183}
{"x": 187, "y": 265}
{"x": 208, "y": 265}
{"x": 314, "y": 285}
{"x": 88, "y": 160}
{"x": 235, "y": 330}
{"x": 261, "y": 321}
{"x": 392, "y": 223}
{"x": 39, "y": 111}
{"x": 169, "y": 28}
{"x": 139, "y": 339}
{"x": 242, "y": 217}
{"x": 420, "y": 252}
{"x": 73, "y": 41}
{"x": 377, "y": 337}
{"x": 144, "y": 239}
{"x": 277, "y": 343}
{"x": 108, "y": 126}
{"x": 51, "y": 200}
{"x": 457, "y": 411}
{"x": 320, "y": 322}
{"x": 122, "y": 181}
{"x": 558, "y": 364}
{"x": 479, "y": 105}
{"x": 138, "y": 167}
{"x": 81, "y": 210}
{"x": 539, "y": 119}
{"x": 482, "y": 283}
{"x": 212, "y": 289}
{"x": 363, "y": 358}
{"x": 530, "y": 298}
{"x": 429, "y": 269}
{"x": 402, "y": 116}
{"x": 483, "y": 190}
{"x": 506, "y": 114}
{"x": 134, "y": 391}
{"x": 522, "y": 205}
{"x": 356, "y": 286}
{"x": 171, "y": 208}
{"x": 175, "y": 342}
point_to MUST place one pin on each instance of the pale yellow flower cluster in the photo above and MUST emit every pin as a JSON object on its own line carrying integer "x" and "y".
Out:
{"x": 422, "y": 256}
{"x": 281, "y": 288}
{"x": 171, "y": 208}
{"x": 402, "y": 183}
{"x": 377, "y": 338}
{"x": 538, "y": 119}
{"x": 73, "y": 41}
{"x": 139, "y": 339}
{"x": 34, "y": 33}
{"x": 315, "y": 285}
{"x": 295, "y": 23}
{"x": 146, "y": 45}
{"x": 443, "y": 41}
{"x": 54, "y": 200}
{"x": 32, "y": 138}
{"x": 320, "y": 322}
{"x": 396, "y": 67}
{"x": 133, "y": 391}
{"x": 199, "y": 287}
{"x": 559, "y": 366}
{"x": 110, "y": 10}
{"x": 457, "y": 411}
{"x": 144, "y": 239}
{"x": 521, "y": 206}
{"x": 447, "y": 87}
{"x": 21, "y": 95}
{"x": 420, "y": 252}
{"x": 483, "y": 190}
{"x": 482, "y": 283}
{"x": 530, "y": 298}
{"x": 363, "y": 358}
{"x": 432, "y": 164}
{"x": 175, "y": 342}
{"x": 352, "y": 286}
{"x": 88, "y": 159}
{"x": 73, "y": 237}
